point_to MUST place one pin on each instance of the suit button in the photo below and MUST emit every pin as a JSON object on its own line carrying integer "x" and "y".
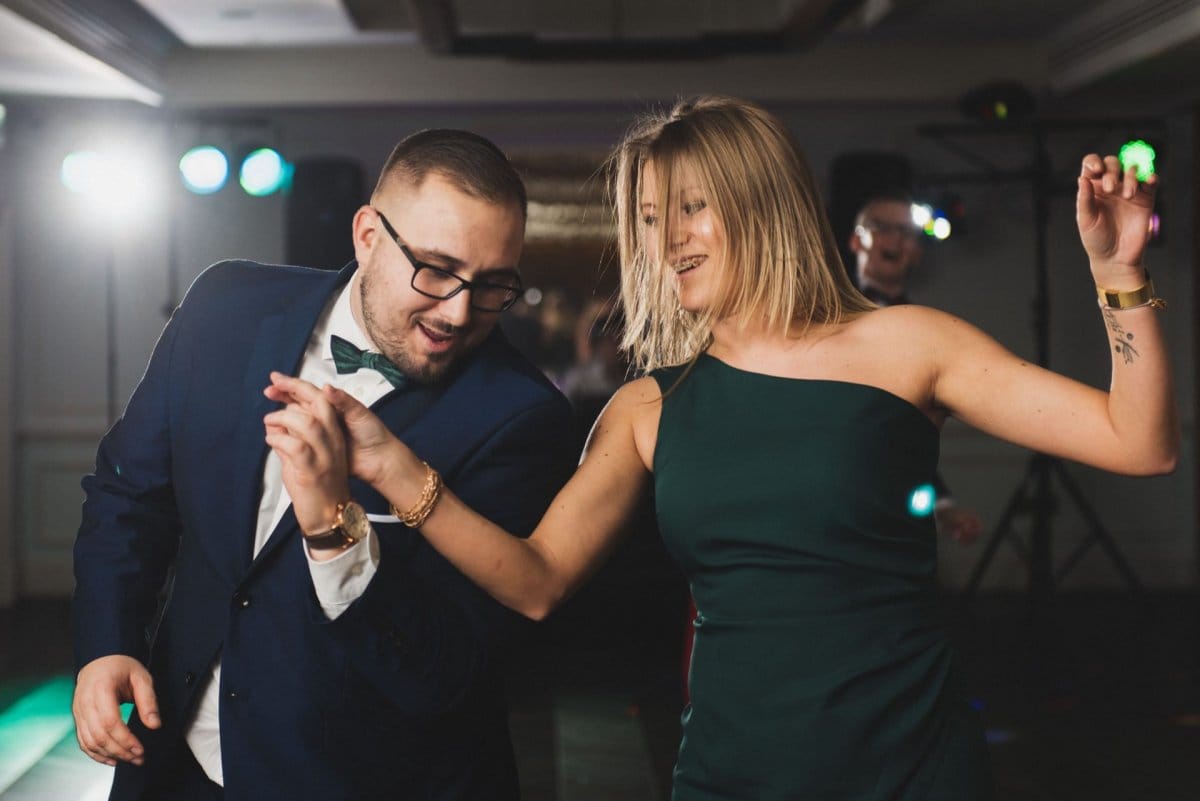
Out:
{"x": 241, "y": 599}
{"x": 189, "y": 678}
{"x": 232, "y": 695}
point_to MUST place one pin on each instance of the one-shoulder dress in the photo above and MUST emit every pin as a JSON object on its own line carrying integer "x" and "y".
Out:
{"x": 821, "y": 670}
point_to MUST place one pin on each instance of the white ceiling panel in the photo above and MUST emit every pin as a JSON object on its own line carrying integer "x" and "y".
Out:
{"x": 34, "y": 61}
{"x": 263, "y": 23}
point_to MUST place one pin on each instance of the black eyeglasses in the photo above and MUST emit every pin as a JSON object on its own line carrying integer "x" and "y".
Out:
{"x": 440, "y": 284}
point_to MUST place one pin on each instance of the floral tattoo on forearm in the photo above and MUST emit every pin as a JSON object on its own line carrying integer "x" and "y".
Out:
{"x": 1122, "y": 339}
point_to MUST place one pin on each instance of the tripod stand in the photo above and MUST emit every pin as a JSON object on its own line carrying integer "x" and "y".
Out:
{"x": 1034, "y": 495}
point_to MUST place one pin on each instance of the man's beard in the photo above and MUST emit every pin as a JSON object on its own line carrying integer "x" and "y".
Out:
{"x": 420, "y": 368}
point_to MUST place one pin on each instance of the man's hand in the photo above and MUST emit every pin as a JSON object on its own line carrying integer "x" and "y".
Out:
{"x": 374, "y": 452}
{"x": 307, "y": 435}
{"x": 100, "y": 689}
{"x": 961, "y": 525}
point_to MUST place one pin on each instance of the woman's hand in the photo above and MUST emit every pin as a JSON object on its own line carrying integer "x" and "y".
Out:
{"x": 1112, "y": 210}
{"x": 373, "y": 453}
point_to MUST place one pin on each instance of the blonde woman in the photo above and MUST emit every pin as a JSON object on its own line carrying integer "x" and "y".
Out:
{"x": 785, "y": 423}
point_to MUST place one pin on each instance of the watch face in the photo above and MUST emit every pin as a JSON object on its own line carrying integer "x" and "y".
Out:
{"x": 354, "y": 521}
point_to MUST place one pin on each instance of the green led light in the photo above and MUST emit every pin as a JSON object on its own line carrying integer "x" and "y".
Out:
{"x": 1001, "y": 109}
{"x": 1140, "y": 154}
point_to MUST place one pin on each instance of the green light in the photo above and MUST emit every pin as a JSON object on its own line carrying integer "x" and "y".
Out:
{"x": 34, "y": 725}
{"x": 922, "y": 501}
{"x": 263, "y": 172}
{"x": 1001, "y": 109}
{"x": 1140, "y": 154}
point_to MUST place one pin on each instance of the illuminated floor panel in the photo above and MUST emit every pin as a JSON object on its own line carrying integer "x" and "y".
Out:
{"x": 32, "y": 726}
{"x": 64, "y": 774}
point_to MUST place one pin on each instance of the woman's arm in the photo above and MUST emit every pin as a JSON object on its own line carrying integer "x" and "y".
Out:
{"x": 531, "y": 576}
{"x": 1134, "y": 427}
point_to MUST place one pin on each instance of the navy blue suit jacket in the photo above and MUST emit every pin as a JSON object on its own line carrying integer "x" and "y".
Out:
{"x": 397, "y": 698}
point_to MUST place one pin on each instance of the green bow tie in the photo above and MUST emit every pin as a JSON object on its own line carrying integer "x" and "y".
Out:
{"x": 349, "y": 359}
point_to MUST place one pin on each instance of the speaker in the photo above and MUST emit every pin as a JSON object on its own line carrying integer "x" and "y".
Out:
{"x": 325, "y": 194}
{"x": 855, "y": 178}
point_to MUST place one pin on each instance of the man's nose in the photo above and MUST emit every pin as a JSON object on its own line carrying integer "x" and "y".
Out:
{"x": 457, "y": 310}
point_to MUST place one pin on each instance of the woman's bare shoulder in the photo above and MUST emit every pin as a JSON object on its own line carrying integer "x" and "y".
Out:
{"x": 634, "y": 409}
{"x": 918, "y": 326}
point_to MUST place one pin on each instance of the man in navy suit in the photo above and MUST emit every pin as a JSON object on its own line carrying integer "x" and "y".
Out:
{"x": 287, "y": 645}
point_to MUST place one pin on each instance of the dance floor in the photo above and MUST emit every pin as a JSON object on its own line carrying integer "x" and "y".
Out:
{"x": 1097, "y": 698}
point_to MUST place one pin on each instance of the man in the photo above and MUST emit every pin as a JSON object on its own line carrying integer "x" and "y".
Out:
{"x": 345, "y": 660}
{"x": 886, "y": 247}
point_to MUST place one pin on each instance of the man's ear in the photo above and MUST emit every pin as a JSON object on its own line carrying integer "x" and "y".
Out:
{"x": 857, "y": 245}
{"x": 364, "y": 230}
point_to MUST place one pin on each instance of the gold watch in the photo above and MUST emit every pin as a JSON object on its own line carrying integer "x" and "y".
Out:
{"x": 350, "y": 525}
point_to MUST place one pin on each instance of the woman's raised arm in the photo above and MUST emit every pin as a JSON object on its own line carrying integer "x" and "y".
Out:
{"x": 1134, "y": 427}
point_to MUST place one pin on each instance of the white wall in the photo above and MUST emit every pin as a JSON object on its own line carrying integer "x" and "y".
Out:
{"x": 59, "y": 316}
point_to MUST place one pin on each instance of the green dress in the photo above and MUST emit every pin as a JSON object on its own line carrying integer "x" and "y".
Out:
{"x": 821, "y": 669}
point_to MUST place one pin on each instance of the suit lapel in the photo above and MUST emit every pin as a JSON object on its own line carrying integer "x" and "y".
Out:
{"x": 279, "y": 345}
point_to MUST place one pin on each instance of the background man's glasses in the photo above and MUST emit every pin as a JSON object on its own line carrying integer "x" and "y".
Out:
{"x": 906, "y": 230}
{"x": 439, "y": 284}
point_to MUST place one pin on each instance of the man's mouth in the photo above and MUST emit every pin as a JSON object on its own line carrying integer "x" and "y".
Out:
{"x": 687, "y": 264}
{"x": 438, "y": 339}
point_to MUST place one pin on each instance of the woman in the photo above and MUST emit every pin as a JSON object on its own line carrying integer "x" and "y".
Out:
{"x": 786, "y": 423}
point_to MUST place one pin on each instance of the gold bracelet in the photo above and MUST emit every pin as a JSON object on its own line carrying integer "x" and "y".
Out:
{"x": 1130, "y": 298}
{"x": 421, "y": 510}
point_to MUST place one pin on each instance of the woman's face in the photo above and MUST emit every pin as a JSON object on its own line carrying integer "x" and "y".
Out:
{"x": 695, "y": 239}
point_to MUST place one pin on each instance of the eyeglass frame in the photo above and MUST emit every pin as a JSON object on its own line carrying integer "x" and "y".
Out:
{"x": 906, "y": 230}
{"x": 463, "y": 283}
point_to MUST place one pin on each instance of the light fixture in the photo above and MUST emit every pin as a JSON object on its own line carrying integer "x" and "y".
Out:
{"x": 264, "y": 172}
{"x": 204, "y": 169}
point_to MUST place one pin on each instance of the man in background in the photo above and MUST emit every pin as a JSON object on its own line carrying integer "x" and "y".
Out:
{"x": 886, "y": 244}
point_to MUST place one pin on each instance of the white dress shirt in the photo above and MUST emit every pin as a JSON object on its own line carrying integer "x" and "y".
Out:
{"x": 338, "y": 581}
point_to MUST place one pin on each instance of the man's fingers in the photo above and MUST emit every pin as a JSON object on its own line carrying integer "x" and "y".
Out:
{"x": 289, "y": 447}
{"x": 307, "y": 396}
{"x": 300, "y": 424}
{"x": 145, "y": 700}
{"x": 110, "y": 736}
{"x": 297, "y": 387}
{"x": 87, "y": 742}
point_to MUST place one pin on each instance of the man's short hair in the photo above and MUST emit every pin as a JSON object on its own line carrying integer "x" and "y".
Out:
{"x": 887, "y": 195}
{"x": 472, "y": 163}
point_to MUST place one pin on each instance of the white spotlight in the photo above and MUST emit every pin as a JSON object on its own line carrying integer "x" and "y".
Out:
{"x": 921, "y": 214}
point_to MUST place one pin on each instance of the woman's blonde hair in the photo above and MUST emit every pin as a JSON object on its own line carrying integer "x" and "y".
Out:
{"x": 782, "y": 266}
